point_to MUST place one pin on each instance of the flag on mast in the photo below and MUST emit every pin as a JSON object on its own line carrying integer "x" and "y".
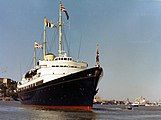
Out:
{"x": 37, "y": 45}
{"x": 65, "y": 11}
{"x": 48, "y": 23}
{"x": 97, "y": 56}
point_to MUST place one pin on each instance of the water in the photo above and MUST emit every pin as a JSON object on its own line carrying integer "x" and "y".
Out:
{"x": 10, "y": 110}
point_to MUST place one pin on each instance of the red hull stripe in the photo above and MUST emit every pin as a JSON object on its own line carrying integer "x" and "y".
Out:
{"x": 86, "y": 108}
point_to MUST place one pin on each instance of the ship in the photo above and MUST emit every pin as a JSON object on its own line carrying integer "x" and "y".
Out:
{"x": 57, "y": 82}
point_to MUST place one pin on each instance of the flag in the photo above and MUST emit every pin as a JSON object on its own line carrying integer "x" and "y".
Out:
{"x": 97, "y": 56}
{"x": 48, "y": 23}
{"x": 37, "y": 45}
{"x": 65, "y": 11}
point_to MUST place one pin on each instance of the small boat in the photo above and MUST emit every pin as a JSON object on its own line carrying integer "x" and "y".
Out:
{"x": 129, "y": 107}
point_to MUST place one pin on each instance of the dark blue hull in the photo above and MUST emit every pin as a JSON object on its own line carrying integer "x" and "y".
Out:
{"x": 74, "y": 90}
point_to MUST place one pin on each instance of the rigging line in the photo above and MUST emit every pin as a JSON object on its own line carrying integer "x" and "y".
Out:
{"x": 68, "y": 25}
{"x": 27, "y": 65}
{"x": 40, "y": 52}
{"x": 47, "y": 49}
{"x": 57, "y": 32}
{"x": 49, "y": 45}
{"x": 32, "y": 60}
{"x": 79, "y": 47}
{"x": 40, "y": 55}
{"x": 20, "y": 71}
{"x": 41, "y": 39}
{"x": 53, "y": 39}
{"x": 68, "y": 50}
{"x": 69, "y": 33}
{"x": 30, "y": 63}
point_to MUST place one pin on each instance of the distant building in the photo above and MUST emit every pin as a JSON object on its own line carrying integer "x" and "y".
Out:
{"x": 141, "y": 101}
{"x": 6, "y": 81}
{"x": 7, "y": 87}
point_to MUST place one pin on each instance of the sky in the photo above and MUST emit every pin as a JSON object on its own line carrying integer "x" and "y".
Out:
{"x": 128, "y": 33}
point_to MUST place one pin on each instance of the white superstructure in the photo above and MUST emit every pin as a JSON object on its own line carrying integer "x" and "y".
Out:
{"x": 49, "y": 69}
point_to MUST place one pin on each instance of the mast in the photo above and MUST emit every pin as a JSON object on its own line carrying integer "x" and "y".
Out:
{"x": 97, "y": 56}
{"x": 60, "y": 31}
{"x": 34, "y": 55}
{"x": 44, "y": 40}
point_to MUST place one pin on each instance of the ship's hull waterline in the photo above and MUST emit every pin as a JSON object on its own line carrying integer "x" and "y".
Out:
{"x": 73, "y": 91}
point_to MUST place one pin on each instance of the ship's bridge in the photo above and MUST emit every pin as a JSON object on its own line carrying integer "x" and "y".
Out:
{"x": 63, "y": 58}
{"x": 66, "y": 62}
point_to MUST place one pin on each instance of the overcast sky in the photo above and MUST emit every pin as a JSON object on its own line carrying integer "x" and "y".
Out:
{"x": 127, "y": 31}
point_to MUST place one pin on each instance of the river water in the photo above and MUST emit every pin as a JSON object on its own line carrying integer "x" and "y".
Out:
{"x": 10, "y": 110}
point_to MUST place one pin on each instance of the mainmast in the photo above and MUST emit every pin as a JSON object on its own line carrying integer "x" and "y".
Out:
{"x": 60, "y": 31}
{"x": 44, "y": 40}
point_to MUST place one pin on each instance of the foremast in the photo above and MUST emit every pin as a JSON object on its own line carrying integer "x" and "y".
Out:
{"x": 34, "y": 55}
